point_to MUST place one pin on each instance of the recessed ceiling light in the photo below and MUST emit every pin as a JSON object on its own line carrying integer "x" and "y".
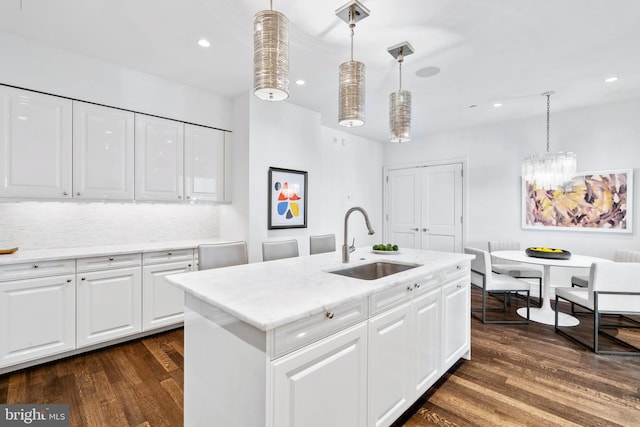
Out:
{"x": 204, "y": 43}
{"x": 611, "y": 79}
{"x": 427, "y": 72}
{"x": 497, "y": 104}
{"x": 300, "y": 82}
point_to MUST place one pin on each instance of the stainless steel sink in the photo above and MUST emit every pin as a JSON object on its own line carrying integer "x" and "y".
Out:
{"x": 374, "y": 270}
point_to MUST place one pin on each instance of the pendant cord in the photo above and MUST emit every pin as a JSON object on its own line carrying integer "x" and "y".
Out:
{"x": 271, "y": 4}
{"x": 400, "y": 61}
{"x": 352, "y": 24}
{"x": 548, "y": 120}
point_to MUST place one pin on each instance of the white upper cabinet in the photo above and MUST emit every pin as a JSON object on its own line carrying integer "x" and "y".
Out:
{"x": 103, "y": 152}
{"x": 159, "y": 168}
{"x": 204, "y": 165}
{"x": 35, "y": 145}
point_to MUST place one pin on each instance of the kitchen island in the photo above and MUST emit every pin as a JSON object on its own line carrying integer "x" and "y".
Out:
{"x": 290, "y": 343}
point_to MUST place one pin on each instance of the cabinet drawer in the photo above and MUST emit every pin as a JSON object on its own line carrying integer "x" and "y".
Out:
{"x": 108, "y": 262}
{"x": 29, "y": 270}
{"x": 453, "y": 272}
{"x": 427, "y": 282}
{"x": 305, "y": 331}
{"x": 390, "y": 297}
{"x": 167, "y": 256}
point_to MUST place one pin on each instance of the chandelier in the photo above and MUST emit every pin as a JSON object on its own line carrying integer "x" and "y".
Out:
{"x": 549, "y": 170}
{"x": 351, "y": 73}
{"x": 400, "y": 101}
{"x": 271, "y": 55}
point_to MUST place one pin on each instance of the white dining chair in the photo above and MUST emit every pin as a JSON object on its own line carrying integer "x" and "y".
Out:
{"x": 613, "y": 289}
{"x": 582, "y": 281}
{"x": 511, "y": 268}
{"x": 491, "y": 283}
{"x": 272, "y": 250}
{"x": 321, "y": 244}
{"x": 216, "y": 255}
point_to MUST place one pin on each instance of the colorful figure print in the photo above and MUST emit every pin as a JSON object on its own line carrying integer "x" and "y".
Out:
{"x": 287, "y": 200}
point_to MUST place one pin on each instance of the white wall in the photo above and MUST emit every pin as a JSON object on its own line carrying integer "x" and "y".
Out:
{"x": 35, "y": 66}
{"x": 343, "y": 171}
{"x": 604, "y": 138}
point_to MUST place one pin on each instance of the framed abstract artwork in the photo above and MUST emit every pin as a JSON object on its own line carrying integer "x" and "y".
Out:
{"x": 594, "y": 201}
{"x": 287, "y": 198}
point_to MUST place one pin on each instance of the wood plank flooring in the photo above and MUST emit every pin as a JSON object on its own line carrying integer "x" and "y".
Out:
{"x": 519, "y": 375}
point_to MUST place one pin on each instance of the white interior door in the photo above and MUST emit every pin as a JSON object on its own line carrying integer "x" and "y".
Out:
{"x": 403, "y": 208}
{"x": 424, "y": 207}
{"x": 441, "y": 227}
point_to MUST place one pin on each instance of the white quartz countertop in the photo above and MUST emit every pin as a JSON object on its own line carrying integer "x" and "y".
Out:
{"x": 271, "y": 294}
{"x": 91, "y": 251}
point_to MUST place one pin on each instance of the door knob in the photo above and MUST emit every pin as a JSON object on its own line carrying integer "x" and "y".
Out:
{"x": 425, "y": 229}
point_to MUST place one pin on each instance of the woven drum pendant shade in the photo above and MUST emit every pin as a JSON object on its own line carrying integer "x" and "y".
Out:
{"x": 400, "y": 116}
{"x": 271, "y": 55}
{"x": 351, "y": 94}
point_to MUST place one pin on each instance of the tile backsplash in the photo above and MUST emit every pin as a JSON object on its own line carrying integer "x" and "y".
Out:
{"x": 48, "y": 225}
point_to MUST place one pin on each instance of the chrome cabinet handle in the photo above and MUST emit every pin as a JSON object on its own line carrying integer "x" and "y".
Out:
{"x": 110, "y": 258}
{"x": 78, "y": 194}
{"x": 416, "y": 229}
{"x": 417, "y": 285}
{"x": 35, "y": 265}
{"x": 425, "y": 229}
{"x": 409, "y": 288}
{"x": 329, "y": 314}
{"x": 84, "y": 278}
{"x": 459, "y": 286}
{"x": 169, "y": 253}
{"x": 65, "y": 193}
{"x": 68, "y": 280}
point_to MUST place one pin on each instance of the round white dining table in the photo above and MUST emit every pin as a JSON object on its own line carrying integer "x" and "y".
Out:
{"x": 545, "y": 314}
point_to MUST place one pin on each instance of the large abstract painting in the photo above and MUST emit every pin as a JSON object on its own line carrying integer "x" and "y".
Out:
{"x": 287, "y": 198}
{"x": 594, "y": 201}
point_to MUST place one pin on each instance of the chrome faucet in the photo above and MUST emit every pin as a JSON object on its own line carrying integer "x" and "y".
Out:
{"x": 346, "y": 250}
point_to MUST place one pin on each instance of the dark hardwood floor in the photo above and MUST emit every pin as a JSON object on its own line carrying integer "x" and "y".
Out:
{"x": 519, "y": 375}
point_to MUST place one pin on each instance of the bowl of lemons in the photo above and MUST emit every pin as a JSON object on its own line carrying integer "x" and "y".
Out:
{"x": 388, "y": 249}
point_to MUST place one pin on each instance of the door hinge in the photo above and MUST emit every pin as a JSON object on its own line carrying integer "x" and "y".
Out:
{"x": 462, "y": 172}
{"x": 387, "y": 178}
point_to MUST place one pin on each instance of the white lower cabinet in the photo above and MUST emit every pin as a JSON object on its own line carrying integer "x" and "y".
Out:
{"x": 404, "y": 355}
{"x": 427, "y": 355}
{"x": 323, "y": 384}
{"x": 109, "y": 305}
{"x": 390, "y": 342}
{"x": 37, "y": 318}
{"x": 456, "y": 326}
{"x": 163, "y": 303}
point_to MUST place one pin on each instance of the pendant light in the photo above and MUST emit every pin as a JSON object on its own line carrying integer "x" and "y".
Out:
{"x": 351, "y": 73}
{"x": 271, "y": 55}
{"x": 549, "y": 170}
{"x": 400, "y": 101}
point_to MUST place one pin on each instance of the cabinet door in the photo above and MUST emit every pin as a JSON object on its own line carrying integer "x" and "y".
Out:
{"x": 323, "y": 384}
{"x": 35, "y": 145}
{"x": 109, "y": 305}
{"x": 390, "y": 383}
{"x": 162, "y": 303}
{"x": 456, "y": 321}
{"x": 426, "y": 313}
{"x": 204, "y": 154}
{"x": 159, "y": 171}
{"x": 102, "y": 152}
{"x": 37, "y": 318}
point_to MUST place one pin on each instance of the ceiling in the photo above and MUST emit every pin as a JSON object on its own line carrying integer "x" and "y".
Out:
{"x": 488, "y": 51}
